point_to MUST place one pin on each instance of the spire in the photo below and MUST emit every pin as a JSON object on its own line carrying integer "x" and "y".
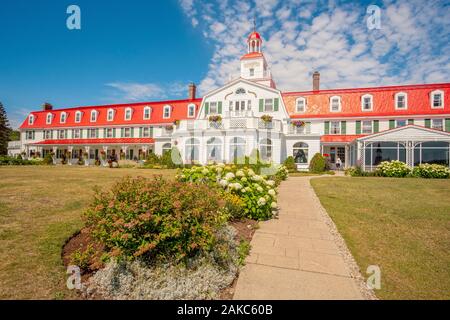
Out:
{"x": 254, "y": 40}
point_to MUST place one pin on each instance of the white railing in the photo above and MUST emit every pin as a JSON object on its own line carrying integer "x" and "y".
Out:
{"x": 229, "y": 123}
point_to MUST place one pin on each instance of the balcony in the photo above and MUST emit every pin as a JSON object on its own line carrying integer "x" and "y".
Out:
{"x": 229, "y": 123}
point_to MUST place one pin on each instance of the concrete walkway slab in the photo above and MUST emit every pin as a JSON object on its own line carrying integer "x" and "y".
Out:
{"x": 298, "y": 256}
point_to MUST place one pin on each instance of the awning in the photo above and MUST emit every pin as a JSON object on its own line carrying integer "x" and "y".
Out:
{"x": 105, "y": 141}
{"x": 336, "y": 138}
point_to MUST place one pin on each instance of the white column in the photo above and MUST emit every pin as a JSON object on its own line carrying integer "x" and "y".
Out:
{"x": 86, "y": 161}
{"x": 104, "y": 160}
{"x": 124, "y": 149}
{"x": 70, "y": 149}
{"x": 54, "y": 152}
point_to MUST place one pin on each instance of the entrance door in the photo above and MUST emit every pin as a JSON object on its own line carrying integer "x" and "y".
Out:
{"x": 341, "y": 154}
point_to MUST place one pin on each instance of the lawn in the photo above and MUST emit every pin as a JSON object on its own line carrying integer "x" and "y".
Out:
{"x": 40, "y": 207}
{"x": 401, "y": 225}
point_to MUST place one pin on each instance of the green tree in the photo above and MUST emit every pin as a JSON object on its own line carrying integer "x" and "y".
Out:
{"x": 5, "y": 131}
{"x": 15, "y": 135}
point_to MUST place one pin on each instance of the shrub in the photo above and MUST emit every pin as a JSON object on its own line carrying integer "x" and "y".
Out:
{"x": 48, "y": 160}
{"x": 11, "y": 161}
{"x": 156, "y": 219}
{"x": 289, "y": 163}
{"x": 393, "y": 168}
{"x": 82, "y": 258}
{"x": 317, "y": 164}
{"x": 431, "y": 171}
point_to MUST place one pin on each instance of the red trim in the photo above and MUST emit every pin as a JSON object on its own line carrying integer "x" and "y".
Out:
{"x": 97, "y": 141}
{"x": 252, "y": 55}
{"x": 340, "y": 137}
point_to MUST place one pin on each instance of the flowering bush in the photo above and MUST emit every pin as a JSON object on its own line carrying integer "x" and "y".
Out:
{"x": 266, "y": 118}
{"x": 298, "y": 123}
{"x": 257, "y": 192}
{"x": 434, "y": 171}
{"x": 393, "y": 168}
{"x": 156, "y": 219}
{"x": 215, "y": 118}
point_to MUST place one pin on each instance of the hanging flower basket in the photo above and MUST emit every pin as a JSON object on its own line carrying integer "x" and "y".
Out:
{"x": 215, "y": 119}
{"x": 176, "y": 123}
{"x": 298, "y": 123}
{"x": 266, "y": 118}
{"x": 169, "y": 128}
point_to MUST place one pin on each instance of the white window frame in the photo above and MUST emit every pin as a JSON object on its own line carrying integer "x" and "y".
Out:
{"x": 63, "y": 132}
{"x": 399, "y": 94}
{"x": 31, "y": 119}
{"x": 191, "y": 107}
{"x": 110, "y": 115}
{"x": 362, "y": 127}
{"x": 304, "y": 105}
{"x": 128, "y": 111}
{"x": 396, "y": 123}
{"x": 63, "y": 117}
{"x": 92, "y": 133}
{"x": 49, "y": 118}
{"x": 339, "y": 102}
{"x": 441, "y": 127}
{"x": 125, "y": 132}
{"x": 251, "y": 72}
{"x": 78, "y": 116}
{"x": 371, "y": 102}
{"x": 149, "y": 109}
{"x": 109, "y": 133}
{"x": 432, "y": 94}
{"x": 339, "y": 126}
{"x": 271, "y": 104}
{"x": 47, "y": 134}
{"x": 144, "y": 134}
{"x": 169, "y": 112}
{"x": 76, "y": 134}
{"x": 94, "y": 112}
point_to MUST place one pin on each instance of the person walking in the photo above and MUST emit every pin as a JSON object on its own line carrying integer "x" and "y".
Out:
{"x": 338, "y": 163}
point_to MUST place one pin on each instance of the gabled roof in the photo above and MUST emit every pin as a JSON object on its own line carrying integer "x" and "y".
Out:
{"x": 408, "y": 132}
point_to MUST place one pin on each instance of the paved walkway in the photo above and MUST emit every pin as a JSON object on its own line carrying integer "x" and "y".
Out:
{"x": 296, "y": 256}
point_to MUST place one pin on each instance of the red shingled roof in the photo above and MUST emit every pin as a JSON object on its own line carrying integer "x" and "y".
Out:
{"x": 98, "y": 141}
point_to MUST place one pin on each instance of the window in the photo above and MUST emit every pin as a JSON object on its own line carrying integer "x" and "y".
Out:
{"x": 335, "y": 127}
{"x": 47, "y": 134}
{"x": 300, "y": 153}
{"x": 367, "y": 102}
{"x": 192, "y": 150}
{"x": 240, "y": 91}
{"x": 237, "y": 150}
{"x": 300, "y": 106}
{"x": 433, "y": 152}
{"x": 128, "y": 113}
{"x": 401, "y": 123}
{"x": 61, "y": 134}
{"x": 49, "y": 118}
{"x": 29, "y": 135}
{"x": 147, "y": 113}
{"x": 252, "y": 72}
{"x": 146, "y": 132}
{"x": 437, "y": 99}
{"x": 63, "y": 117}
{"x": 240, "y": 105}
{"x": 265, "y": 149}
{"x": 76, "y": 134}
{"x": 92, "y": 133}
{"x": 167, "y": 147}
{"x": 335, "y": 104}
{"x": 31, "y": 119}
{"x": 213, "y": 108}
{"x": 401, "y": 101}
{"x": 268, "y": 105}
{"x": 127, "y": 133}
{"x": 78, "y": 116}
{"x": 191, "y": 111}
{"x": 366, "y": 127}
{"x": 110, "y": 116}
{"x": 214, "y": 149}
{"x": 93, "y": 116}
{"x": 377, "y": 152}
{"x": 109, "y": 133}
{"x": 437, "y": 124}
{"x": 166, "y": 113}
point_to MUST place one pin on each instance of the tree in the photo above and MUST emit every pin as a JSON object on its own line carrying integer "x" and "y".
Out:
{"x": 5, "y": 131}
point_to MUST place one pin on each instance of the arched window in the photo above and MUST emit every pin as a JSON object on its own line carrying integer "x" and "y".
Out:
{"x": 110, "y": 116}
{"x": 367, "y": 102}
{"x": 94, "y": 114}
{"x": 78, "y": 116}
{"x": 300, "y": 152}
{"x": 192, "y": 150}
{"x": 237, "y": 150}
{"x": 31, "y": 119}
{"x": 49, "y": 118}
{"x": 335, "y": 104}
{"x": 265, "y": 149}
{"x": 300, "y": 105}
{"x": 214, "y": 149}
{"x": 167, "y": 147}
{"x": 401, "y": 101}
{"x": 128, "y": 113}
{"x": 433, "y": 152}
{"x": 240, "y": 91}
{"x": 147, "y": 113}
{"x": 63, "y": 117}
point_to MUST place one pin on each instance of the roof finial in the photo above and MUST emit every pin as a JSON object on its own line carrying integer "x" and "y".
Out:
{"x": 254, "y": 23}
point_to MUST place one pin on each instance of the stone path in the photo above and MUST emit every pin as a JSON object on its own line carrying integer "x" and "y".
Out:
{"x": 297, "y": 256}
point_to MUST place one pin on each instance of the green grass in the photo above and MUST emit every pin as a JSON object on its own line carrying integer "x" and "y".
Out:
{"x": 401, "y": 225}
{"x": 40, "y": 207}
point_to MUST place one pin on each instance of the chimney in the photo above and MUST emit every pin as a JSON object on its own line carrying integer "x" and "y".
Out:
{"x": 47, "y": 106}
{"x": 316, "y": 81}
{"x": 192, "y": 91}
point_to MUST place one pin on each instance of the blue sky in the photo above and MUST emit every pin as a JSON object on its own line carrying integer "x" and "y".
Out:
{"x": 148, "y": 50}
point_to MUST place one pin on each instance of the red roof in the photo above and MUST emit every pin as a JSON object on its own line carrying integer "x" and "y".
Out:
{"x": 340, "y": 137}
{"x": 254, "y": 35}
{"x": 252, "y": 55}
{"x": 179, "y": 112}
{"x": 98, "y": 141}
{"x": 418, "y": 101}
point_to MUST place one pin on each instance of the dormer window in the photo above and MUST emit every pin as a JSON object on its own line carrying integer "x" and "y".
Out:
{"x": 31, "y": 119}
{"x": 300, "y": 105}
{"x": 437, "y": 99}
{"x": 147, "y": 113}
{"x": 166, "y": 112}
{"x": 128, "y": 113}
{"x": 335, "y": 104}
{"x": 49, "y": 118}
{"x": 367, "y": 102}
{"x": 401, "y": 101}
{"x": 78, "y": 116}
{"x": 110, "y": 115}
{"x": 191, "y": 111}
{"x": 94, "y": 114}
{"x": 63, "y": 117}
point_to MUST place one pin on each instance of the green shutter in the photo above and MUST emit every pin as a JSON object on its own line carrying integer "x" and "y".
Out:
{"x": 220, "y": 107}
{"x": 122, "y": 132}
{"x": 391, "y": 124}
{"x": 447, "y": 125}
{"x": 206, "y": 108}
{"x": 276, "y": 102}
{"x": 114, "y": 132}
{"x": 96, "y": 132}
{"x": 410, "y": 121}
{"x": 427, "y": 123}
{"x": 151, "y": 132}
{"x": 327, "y": 127}
{"x": 140, "y": 132}
{"x": 261, "y": 105}
{"x": 33, "y": 134}
{"x": 343, "y": 127}
{"x": 376, "y": 126}
{"x": 104, "y": 132}
{"x": 132, "y": 133}
{"x": 358, "y": 127}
